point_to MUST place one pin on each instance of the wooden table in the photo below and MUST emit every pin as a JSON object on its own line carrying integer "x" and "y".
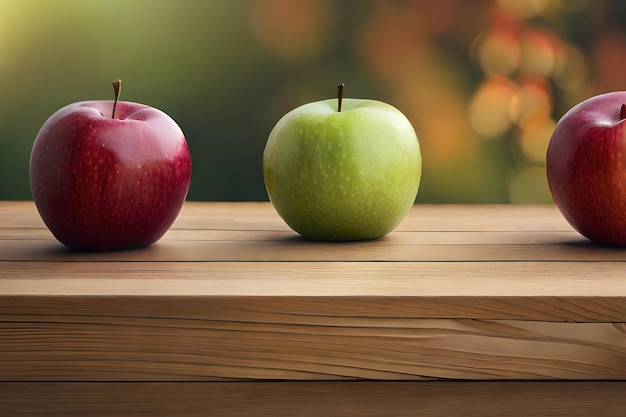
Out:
{"x": 463, "y": 310}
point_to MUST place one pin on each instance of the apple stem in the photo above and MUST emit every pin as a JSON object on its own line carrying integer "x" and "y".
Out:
{"x": 340, "y": 96}
{"x": 622, "y": 112}
{"x": 117, "y": 88}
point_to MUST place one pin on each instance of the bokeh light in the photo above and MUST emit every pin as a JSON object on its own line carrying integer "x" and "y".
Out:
{"x": 498, "y": 52}
{"x": 484, "y": 82}
{"x": 294, "y": 37}
{"x": 490, "y": 107}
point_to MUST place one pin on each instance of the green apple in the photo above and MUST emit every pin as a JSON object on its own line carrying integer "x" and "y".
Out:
{"x": 343, "y": 169}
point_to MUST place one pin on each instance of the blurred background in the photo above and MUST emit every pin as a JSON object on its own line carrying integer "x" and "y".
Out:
{"x": 482, "y": 81}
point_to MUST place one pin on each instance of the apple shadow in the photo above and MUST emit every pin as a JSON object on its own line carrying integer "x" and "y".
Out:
{"x": 586, "y": 244}
{"x": 297, "y": 238}
{"x": 57, "y": 251}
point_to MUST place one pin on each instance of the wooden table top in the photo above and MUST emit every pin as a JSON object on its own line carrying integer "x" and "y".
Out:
{"x": 231, "y": 293}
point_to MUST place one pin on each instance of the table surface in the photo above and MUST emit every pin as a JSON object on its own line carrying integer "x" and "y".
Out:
{"x": 230, "y": 293}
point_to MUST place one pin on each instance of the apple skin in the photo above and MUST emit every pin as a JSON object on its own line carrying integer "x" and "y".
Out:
{"x": 586, "y": 168}
{"x": 103, "y": 183}
{"x": 343, "y": 176}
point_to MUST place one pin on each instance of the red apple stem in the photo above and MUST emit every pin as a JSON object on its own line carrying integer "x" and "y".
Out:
{"x": 340, "y": 88}
{"x": 117, "y": 88}
{"x": 622, "y": 112}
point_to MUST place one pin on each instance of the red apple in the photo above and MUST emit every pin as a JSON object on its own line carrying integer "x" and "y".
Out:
{"x": 586, "y": 168}
{"x": 108, "y": 175}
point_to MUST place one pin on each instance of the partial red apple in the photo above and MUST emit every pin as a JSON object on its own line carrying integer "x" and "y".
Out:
{"x": 586, "y": 168}
{"x": 109, "y": 175}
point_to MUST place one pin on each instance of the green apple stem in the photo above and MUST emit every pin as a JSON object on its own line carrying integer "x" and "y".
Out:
{"x": 117, "y": 88}
{"x": 340, "y": 96}
{"x": 622, "y": 112}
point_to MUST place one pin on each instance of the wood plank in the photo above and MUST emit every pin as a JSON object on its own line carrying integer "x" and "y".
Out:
{"x": 92, "y": 339}
{"x": 262, "y": 216}
{"x": 292, "y": 249}
{"x": 317, "y": 310}
{"x": 310, "y": 279}
{"x": 254, "y": 232}
{"x": 273, "y": 237}
{"x": 398, "y": 237}
{"x": 456, "y": 292}
{"x": 313, "y": 399}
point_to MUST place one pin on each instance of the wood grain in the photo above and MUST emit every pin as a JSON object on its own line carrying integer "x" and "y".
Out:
{"x": 231, "y": 293}
{"x": 399, "y": 280}
{"x": 314, "y": 399}
{"x": 261, "y": 216}
{"x": 391, "y": 249}
{"x": 79, "y": 347}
